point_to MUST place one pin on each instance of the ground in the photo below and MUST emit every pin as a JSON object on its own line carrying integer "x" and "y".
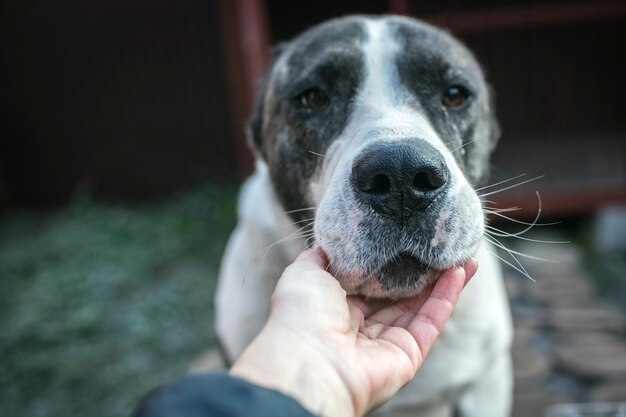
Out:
{"x": 100, "y": 302}
{"x": 570, "y": 325}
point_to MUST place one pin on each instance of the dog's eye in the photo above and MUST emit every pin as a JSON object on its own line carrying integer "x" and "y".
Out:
{"x": 314, "y": 99}
{"x": 454, "y": 96}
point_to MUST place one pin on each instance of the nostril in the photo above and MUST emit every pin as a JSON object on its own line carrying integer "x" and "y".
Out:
{"x": 378, "y": 184}
{"x": 428, "y": 180}
{"x": 421, "y": 181}
{"x": 381, "y": 184}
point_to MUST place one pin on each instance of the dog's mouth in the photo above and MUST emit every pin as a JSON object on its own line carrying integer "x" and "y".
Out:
{"x": 401, "y": 265}
{"x": 402, "y": 276}
{"x": 405, "y": 272}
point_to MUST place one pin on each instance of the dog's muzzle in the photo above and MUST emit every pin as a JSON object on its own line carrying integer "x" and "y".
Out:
{"x": 399, "y": 179}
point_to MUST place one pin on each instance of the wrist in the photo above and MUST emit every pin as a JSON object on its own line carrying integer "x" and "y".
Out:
{"x": 303, "y": 374}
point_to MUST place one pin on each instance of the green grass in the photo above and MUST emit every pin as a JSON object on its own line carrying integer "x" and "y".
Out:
{"x": 101, "y": 302}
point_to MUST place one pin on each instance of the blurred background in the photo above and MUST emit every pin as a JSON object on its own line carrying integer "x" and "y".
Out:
{"x": 122, "y": 148}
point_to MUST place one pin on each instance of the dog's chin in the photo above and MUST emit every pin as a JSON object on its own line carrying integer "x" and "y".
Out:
{"x": 403, "y": 276}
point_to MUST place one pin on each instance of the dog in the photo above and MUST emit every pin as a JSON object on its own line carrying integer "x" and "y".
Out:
{"x": 371, "y": 135}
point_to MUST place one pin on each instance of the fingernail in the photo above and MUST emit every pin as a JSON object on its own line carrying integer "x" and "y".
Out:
{"x": 305, "y": 254}
{"x": 470, "y": 267}
{"x": 320, "y": 252}
{"x": 315, "y": 255}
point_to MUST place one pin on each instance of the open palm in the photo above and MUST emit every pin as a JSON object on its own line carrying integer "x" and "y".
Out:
{"x": 347, "y": 354}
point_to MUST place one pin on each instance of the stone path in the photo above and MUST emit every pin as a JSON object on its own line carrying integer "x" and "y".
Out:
{"x": 569, "y": 346}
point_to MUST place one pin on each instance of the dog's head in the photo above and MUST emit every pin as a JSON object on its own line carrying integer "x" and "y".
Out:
{"x": 384, "y": 125}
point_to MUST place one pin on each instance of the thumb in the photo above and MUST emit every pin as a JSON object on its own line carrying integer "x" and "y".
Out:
{"x": 315, "y": 256}
{"x": 308, "y": 268}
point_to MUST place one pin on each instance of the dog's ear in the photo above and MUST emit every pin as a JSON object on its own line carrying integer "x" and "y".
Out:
{"x": 478, "y": 156}
{"x": 481, "y": 164}
{"x": 254, "y": 128}
{"x": 494, "y": 129}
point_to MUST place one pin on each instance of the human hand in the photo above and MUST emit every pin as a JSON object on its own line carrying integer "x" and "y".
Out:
{"x": 338, "y": 355}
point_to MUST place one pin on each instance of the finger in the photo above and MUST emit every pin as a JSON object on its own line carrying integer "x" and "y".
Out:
{"x": 314, "y": 256}
{"x": 356, "y": 314}
{"x": 470, "y": 268}
{"x": 309, "y": 263}
{"x": 390, "y": 313}
{"x": 401, "y": 312}
{"x": 368, "y": 308}
{"x": 414, "y": 306}
{"x": 432, "y": 317}
{"x": 306, "y": 277}
{"x": 308, "y": 293}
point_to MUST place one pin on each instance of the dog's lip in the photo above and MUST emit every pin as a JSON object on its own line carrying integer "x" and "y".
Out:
{"x": 404, "y": 260}
{"x": 401, "y": 266}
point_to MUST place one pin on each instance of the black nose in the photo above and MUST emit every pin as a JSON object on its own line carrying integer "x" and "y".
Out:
{"x": 399, "y": 179}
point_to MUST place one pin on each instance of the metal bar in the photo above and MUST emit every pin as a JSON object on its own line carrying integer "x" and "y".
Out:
{"x": 558, "y": 202}
{"x": 528, "y": 16}
{"x": 399, "y": 7}
{"x": 246, "y": 45}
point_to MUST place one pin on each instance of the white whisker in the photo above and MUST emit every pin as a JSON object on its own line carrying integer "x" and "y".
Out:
{"x": 309, "y": 219}
{"x": 309, "y": 241}
{"x": 449, "y": 142}
{"x": 496, "y": 242}
{"x": 510, "y": 186}
{"x": 501, "y": 182}
{"x": 297, "y": 234}
{"x": 317, "y": 154}
{"x": 502, "y": 210}
{"x": 488, "y": 202}
{"x": 512, "y": 266}
{"x": 520, "y": 221}
{"x": 525, "y": 255}
{"x": 300, "y": 209}
{"x": 534, "y": 222}
{"x": 499, "y": 233}
{"x": 462, "y": 146}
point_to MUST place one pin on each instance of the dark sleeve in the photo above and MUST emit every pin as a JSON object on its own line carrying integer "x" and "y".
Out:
{"x": 217, "y": 395}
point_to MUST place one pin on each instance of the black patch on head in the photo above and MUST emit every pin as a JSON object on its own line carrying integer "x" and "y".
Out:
{"x": 431, "y": 62}
{"x": 326, "y": 57}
